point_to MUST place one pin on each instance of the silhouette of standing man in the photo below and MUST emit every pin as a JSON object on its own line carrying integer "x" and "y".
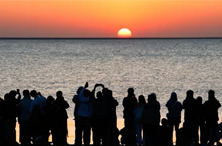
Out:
{"x": 129, "y": 104}
{"x": 23, "y": 118}
{"x": 212, "y": 105}
{"x": 190, "y": 106}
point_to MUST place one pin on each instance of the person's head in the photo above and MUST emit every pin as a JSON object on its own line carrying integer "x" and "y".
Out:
{"x": 39, "y": 94}
{"x": 141, "y": 99}
{"x": 189, "y": 94}
{"x": 50, "y": 99}
{"x": 33, "y": 93}
{"x": 130, "y": 92}
{"x": 110, "y": 93}
{"x": 151, "y": 98}
{"x": 199, "y": 100}
{"x": 79, "y": 89}
{"x": 164, "y": 122}
{"x": 99, "y": 95}
{"x": 105, "y": 92}
{"x": 59, "y": 93}
{"x": 26, "y": 93}
{"x": 6, "y": 97}
{"x": 173, "y": 96}
{"x": 86, "y": 93}
{"x": 12, "y": 93}
{"x": 211, "y": 94}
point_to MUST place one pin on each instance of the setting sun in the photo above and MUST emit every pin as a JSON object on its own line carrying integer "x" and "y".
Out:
{"x": 124, "y": 33}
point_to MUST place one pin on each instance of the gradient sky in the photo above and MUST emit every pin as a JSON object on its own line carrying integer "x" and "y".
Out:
{"x": 103, "y": 18}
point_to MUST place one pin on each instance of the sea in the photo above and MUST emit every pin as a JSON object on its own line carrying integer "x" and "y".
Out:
{"x": 159, "y": 66}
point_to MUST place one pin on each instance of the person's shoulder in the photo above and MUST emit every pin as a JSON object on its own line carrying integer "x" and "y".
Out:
{"x": 184, "y": 101}
{"x": 218, "y": 102}
{"x": 167, "y": 104}
{"x": 187, "y": 102}
{"x": 178, "y": 103}
{"x": 35, "y": 100}
{"x": 134, "y": 98}
{"x": 43, "y": 98}
{"x": 205, "y": 103}
{"x": 125, "y": 99}
{"x": 22, "y": 100}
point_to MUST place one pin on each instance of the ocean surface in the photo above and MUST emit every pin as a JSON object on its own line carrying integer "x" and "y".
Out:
{"x": 148, "y": 65}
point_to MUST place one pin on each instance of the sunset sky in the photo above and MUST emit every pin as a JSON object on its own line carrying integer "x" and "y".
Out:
{"x": 104, "y": 18}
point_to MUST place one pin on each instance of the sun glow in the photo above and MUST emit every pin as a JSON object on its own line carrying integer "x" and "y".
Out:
{"x": 124, "y": 33}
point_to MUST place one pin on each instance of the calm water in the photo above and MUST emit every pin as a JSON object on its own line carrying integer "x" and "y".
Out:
{"x": 155, "y": 65}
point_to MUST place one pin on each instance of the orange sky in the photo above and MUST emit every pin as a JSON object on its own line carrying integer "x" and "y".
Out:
{"x": 103, "y": 18}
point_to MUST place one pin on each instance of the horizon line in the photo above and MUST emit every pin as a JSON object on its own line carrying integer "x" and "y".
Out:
{"x": 110, "y": 38}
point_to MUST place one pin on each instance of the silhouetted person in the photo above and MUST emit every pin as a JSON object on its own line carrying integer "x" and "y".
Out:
{"x": 2, "y": 132}
{"x": 212, "y": 105}
{"x": 24, "y": 118}
{"x": 39, "y": 100}
{"x": 83, "y": 121}
{"x": 174, "y": 113}
{"x": 75, "y": 100}
{"x": 112, "y": 134}
{"x": 49, "y": 113}
{"x": 15, "y": 96}
{"x": 59, "y": 128}
{"x": 38, "y": 120}
{"x": 98, "y": 117}
{"x": 201, "y": 120}
{"x": 129, "y": 104}
{"x": 165, "y": 138}
{"x": 151, "y": 120}
{"x": 190, "y": 116}
{"x": 157, "y": 103}
{"x": 10, "y": 114}
{"x": 138, "y": 118}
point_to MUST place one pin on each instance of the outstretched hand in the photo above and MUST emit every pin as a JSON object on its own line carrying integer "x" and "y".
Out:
{"x": 18, "y": 91}
{"x": 101, "y": 85}
{"x": 39, "y": 93}
{"x": 97, "y": 85}
{"x": 86, "y": 85}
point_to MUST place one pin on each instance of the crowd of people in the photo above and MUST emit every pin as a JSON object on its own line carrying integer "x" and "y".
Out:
{"x": 39, "y": 117}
